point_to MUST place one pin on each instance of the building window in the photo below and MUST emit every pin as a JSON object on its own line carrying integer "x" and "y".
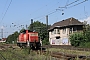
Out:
{"x": 58, "y": 37}
{"x": 58, "y": 31}
{"x": 70, "y": 30}
{"x": 64, "y": 30}
{"x": 74, "y": 29}
{"x": 54, "y": 31}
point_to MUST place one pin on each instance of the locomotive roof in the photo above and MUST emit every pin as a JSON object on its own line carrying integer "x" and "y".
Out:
{"x": 28, "y": 31}
{"x": 24, "y": 31}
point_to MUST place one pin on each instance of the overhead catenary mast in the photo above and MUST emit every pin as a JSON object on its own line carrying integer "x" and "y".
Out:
{"x": 47, "y": 25}
{"x": 2, "y": 32}
{"x": 31, "y": 25}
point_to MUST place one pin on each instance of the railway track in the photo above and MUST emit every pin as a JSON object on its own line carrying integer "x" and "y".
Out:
{"x": 66, "y": 56}
{"x": 68, "y": 47}
{"x": 69, "y": 56}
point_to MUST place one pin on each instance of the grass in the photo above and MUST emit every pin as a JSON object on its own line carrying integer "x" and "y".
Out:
{"x": 22, "y": 54}
{"x": 75, "y": 52}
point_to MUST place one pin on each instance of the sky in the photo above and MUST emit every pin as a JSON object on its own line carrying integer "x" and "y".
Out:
{"x": 14, "y": 13}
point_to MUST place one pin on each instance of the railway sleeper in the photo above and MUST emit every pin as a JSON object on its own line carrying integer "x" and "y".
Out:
{"x": 68, "y": 56}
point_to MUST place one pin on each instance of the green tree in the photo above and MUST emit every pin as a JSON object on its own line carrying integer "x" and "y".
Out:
{"x": 86, "y": 32}
{"x": 9, "y": 39}
{"x": 12, "y": 38}
{"x": 41, "y": 29}
{"x": 22, "y": 30}
{"x": 76, "y": 39}
{"x": 81, "y": 39}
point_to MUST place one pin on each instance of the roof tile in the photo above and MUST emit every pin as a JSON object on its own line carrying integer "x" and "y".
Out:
{"x": 67, "y": 22}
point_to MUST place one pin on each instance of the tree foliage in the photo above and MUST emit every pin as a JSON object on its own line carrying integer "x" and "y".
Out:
{"x": 81, "y": 39}
{"x": 12, "y": 38}
{"x": 76, "y": 39}
{"x": 22, "y": 30}
{"x": 41, "y": 28}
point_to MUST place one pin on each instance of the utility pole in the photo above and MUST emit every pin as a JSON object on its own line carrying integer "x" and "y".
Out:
{"x": 26, "y": 27}
{"x": 31, "y": 24}
{"x": 47, "y": 25}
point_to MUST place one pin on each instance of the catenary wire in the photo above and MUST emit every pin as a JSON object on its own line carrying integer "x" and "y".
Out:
{"x": 53, "y": 11}
{"x": 4, "y": 8}
{"x": 77, "y": 4}
{"x": 6, "y": 11}
{"x": 72, "y": 2}
{"x": 49, "y": 13}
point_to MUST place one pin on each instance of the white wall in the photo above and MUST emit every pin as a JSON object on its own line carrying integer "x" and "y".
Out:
{"x": 63, "y": 37}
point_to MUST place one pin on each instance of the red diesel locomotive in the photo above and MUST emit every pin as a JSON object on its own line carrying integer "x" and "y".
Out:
{"x": 28, "y": 38}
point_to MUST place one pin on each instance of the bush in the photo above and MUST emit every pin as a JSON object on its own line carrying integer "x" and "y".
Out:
{"x": 76, "y": 39}
{"x": 87, "y": 45}
{"x": 45, "y": 41}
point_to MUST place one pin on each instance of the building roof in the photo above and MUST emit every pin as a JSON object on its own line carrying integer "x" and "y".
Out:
{"x": 67, "y": 22}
